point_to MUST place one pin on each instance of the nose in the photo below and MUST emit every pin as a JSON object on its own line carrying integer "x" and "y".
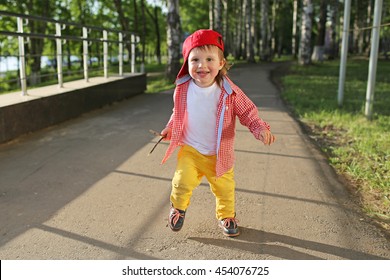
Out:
{"x": 201, "y": 63}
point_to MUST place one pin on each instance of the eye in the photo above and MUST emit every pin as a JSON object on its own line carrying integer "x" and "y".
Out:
{"x": 194, "y": 59}
{"x": 209, "y": 59}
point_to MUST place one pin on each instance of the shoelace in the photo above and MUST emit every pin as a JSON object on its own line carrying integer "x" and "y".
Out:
{"x": 176, "y": 216}
{"x": 227, "y": 221}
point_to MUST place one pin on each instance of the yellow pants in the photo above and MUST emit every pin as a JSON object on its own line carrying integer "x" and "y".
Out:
{"x": 191, "y": 167}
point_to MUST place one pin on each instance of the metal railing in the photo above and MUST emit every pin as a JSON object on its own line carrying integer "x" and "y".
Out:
{"x": 121, "y": 38}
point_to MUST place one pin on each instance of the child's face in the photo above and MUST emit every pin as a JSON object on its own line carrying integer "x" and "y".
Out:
{"x": 204, "y": 64}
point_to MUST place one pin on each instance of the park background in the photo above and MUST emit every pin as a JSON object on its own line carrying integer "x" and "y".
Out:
{"x": 304, "y": 36}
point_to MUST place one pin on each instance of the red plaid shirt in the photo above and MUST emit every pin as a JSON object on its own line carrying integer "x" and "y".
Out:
{"x": 233, "y": 102}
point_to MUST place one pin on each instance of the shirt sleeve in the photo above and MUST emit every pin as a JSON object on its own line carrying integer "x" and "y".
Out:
{"x": 170, "y": 121}
{"x": 247, "y": 114}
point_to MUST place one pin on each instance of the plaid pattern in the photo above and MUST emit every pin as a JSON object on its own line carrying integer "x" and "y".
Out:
{"x": 233, "y": 103}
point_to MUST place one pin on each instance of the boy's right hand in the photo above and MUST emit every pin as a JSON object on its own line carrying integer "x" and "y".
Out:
{"x": 167, "y": 133}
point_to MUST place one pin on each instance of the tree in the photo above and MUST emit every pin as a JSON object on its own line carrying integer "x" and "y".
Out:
{"x": 35, "y": 46}
{"x": 283, "y": 33}
{"x": 250, "y": 54}
{"x": 173, "y": 39}
{"x": 211, "y": 15}
{"x": 319, "y": 48}
{"x": 304, "y": 57}
{"x": 254, "y": 28}
{"x": 217, "y": 16}
{"x": 155, "y": 20}
{"x": 237, "y": 32}
{"x": 294, "y": 29}
{"x": 124, "y": 22}
{"x": 265, "y": 54}
{"x": 248, "y": 27}
{"x": 190, "y": 20}
{"x": 367, "y": 34}
{"x": 225, "y": 25}
{"x": 385, "y": 31}
{"x": 331, "y": 46}
{"x": 143, "y": 40}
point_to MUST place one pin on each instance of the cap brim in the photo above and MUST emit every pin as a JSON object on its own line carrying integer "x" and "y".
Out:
{"x": 183, "y": 70}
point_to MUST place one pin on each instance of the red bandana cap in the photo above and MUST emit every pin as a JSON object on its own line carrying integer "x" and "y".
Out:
{"x": 199, "y": 38}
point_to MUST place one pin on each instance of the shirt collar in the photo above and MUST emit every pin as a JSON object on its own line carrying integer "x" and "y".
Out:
{"x": 225, "y": 83}
{"x": 227, "y": 86}
{"x": 183, "y": 79}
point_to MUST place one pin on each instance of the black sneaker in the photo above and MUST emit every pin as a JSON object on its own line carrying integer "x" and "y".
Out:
{"x": 229, "y": 227}
{"x": 176, "y": 219}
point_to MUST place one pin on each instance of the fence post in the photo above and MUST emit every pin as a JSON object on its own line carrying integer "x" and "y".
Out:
{"x": 105, "y": 54}
{"x": 344, "y": 51}
{"x": 22, "y": 58}
{"x": 132, "y": 53}
{"x": 59, "y": 55}
{"x": 85, "y": 53}
{"x": 120, "y": 55}
{"x": 373, "y": 58}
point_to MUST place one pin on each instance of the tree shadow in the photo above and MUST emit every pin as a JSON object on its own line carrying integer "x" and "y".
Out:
{"x": 80, "y": 152}
{"x": 120, "y": 251}
{"x": 264, "y": 243}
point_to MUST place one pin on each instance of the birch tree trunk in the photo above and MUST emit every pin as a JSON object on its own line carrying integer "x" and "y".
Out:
{"x": 264, "y": 46}
{"x": 237, "y": 30}
{"x": 211, "y": 14}
{"x": 330, "y": 38}
{"x": 173, "y": 39}
{"x": 250, "y": 55}
{"x": 218, "y": 16}
{"x": 294, "y": 30}
{"x": 154, "y": 18}
{"x": 143, "y": 37}
{"x": 319, "y": 48}
{"x": 225, "y": 27}
{"x": 254, "y": 27}
{"x": 358, "y": 22}
{"x": 304, "y": 57}
{"x": 275, "y": 5}
{"x": 135, "y": 16}
{"x": 367, "y": 34}
{"x": 243, "y": 31}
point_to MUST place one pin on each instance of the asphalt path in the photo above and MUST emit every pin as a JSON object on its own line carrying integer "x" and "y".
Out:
{"x": 87, "y": 189}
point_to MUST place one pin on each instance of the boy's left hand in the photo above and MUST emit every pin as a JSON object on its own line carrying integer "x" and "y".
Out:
{"x": 267, "y": 137}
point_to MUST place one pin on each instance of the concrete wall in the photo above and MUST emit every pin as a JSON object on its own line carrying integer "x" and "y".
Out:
{"x": 24, "y": 117}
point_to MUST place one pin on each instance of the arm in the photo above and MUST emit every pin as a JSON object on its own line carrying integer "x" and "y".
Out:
{"x": 247, "y": 113}
{"x": 168, "y": 127}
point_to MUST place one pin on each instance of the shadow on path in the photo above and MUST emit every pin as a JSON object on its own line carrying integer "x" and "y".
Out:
{"x": 282, "y": 246}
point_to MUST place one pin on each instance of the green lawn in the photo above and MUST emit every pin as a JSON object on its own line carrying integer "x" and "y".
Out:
{"x": 357, "y": 148}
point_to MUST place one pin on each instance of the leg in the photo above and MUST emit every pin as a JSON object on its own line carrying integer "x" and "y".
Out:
{"x": 223, "y": 188}
{"x": 187, "y": 177}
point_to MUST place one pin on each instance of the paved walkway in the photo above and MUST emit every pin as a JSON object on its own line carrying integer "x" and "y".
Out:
{"x": 86, "y": 189}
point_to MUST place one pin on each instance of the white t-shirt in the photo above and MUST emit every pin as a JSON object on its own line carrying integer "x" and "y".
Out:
{"x": 201, "y": 118}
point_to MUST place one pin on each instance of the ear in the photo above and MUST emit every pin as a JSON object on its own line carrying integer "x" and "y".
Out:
{"x": 222, "y": 63}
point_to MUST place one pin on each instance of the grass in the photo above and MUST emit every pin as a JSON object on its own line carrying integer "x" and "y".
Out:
{"x": 357, "y": 148}
{"x": 156, "y": 79}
